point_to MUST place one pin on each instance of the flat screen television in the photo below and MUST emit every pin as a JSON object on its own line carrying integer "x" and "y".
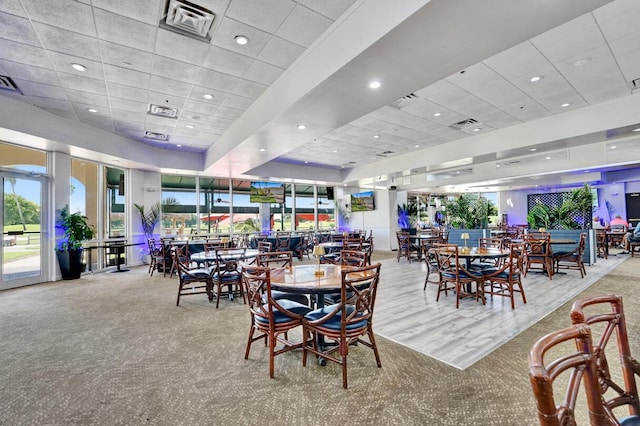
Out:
{"x": 362, "y": 202}
{"x": 266, "y": 192}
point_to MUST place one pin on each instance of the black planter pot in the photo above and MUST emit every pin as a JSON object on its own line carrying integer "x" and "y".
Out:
{"x": 70, "y": 262}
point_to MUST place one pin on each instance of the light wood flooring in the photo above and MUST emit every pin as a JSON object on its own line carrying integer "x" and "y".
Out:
{"x": 460, "y": 337}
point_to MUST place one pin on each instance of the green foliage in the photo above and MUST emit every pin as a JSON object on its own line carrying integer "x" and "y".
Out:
{"x": 30, "y": 210}
{"x": 149, "y": 219}
{"x": 469, "y": 212}
{"x": 248, "y": 225}
{"x": 76, "y": 229}
{"x": 407, "y": 214}
{"x": 539, "y": 217}
{"x": 170, "y": 205}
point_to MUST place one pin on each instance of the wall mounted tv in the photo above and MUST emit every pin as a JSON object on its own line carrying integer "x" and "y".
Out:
{"x": 266, "y": 192}
{"x": 362, "y": 202}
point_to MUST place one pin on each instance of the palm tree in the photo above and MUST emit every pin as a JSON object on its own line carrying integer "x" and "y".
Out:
{"x": 12, "y": 181}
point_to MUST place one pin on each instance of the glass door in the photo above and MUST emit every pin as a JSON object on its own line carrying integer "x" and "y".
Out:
{"x": 21, "y": 257}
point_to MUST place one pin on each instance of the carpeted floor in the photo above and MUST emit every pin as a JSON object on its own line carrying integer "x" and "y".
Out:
{"x": 113, "y": 349}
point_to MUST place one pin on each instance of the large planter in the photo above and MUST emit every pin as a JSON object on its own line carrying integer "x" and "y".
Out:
{"x": 70, "y": 262}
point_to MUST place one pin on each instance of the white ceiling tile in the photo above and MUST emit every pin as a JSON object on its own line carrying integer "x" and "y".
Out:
{"x": 165, "y": 99}
{"x": 332, "y": 9}
{"x": 51, "y": 103}
{"x": 597, "y": 81}
{"x": 147, "y": 11}
{"x": 266, "y": 15}
{"x": 76, "y": 82}
{"x": 60, "y": 40}
{"x": 13, "y": 7}
{"x": 126, "y": 57}
{"x": 27, "y": 72}
{"x": 230, "y": 28}
{"x": 280, "y": 53}
{"x": 18, "y": 29}
{"x": 67, "y": 14}
{"x": 303, "y": 26}
{"x": 62, "y": 62}
{"x": 126, "y": 76}
{"x": 121, "y": 91}
{"x": 626, "y": 50}
{"x": 69, "y": 114}
{"x": 127, "y": 105}
{"x": 24, "y": 54}
{"x": 230, "y": 113}
{"x": 199, "y": 107}
{"x": 261, "y": 72}
{"x": 579, "y": 35}
{"x": 226, "y": 61}
{"x": 521, "y": 60}
{"x": 235, "y": 101}
{"x": 180, "y": 47}
{"x": 171, "y": 88}
{"x": 88, "y": 98}
{"x": 249, "y": 89}
{"x": 175, "y": 70}
{"x": 216, "y": 80}
{"x": 138, "y": 35}
{"x": 618, "y": 18}
{"x": 32, "y": 88}
{"x": 133, "y": 117}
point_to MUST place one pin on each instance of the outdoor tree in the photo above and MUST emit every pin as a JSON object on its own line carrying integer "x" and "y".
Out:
{"x": 20, "y": 211}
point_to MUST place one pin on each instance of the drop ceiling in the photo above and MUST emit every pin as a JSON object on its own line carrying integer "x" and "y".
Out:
{"x": 457, "y": 105}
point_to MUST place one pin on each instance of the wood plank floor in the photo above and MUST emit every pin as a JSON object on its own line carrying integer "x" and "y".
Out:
{"x": 460, "y": 337}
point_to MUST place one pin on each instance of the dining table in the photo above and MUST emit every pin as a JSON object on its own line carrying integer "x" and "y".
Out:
{"x": 303, "y": 279}
{"x": 205, "y": 257}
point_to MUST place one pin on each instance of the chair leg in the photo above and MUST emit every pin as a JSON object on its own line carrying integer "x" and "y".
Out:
{"x": 272, "y": 356}
{"x": 249, "y": 341}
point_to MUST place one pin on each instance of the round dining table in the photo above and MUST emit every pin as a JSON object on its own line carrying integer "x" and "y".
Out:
{"x": 231, "y": 254}
{"x": 302, "y": 279}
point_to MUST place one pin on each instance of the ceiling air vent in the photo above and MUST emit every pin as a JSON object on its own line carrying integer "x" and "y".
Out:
{"x": 163, "y": 111}
{"x": 384, "y": 153}
{"x": 156, "y": 136}
{"x": 186, "y": 18}
{"x": 7, "y": 84}
{"x": 464, "y": 124}
{"x": 405, "y": 100}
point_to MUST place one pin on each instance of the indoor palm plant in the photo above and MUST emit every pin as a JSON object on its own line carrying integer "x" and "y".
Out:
{"x": 76, "y": 230}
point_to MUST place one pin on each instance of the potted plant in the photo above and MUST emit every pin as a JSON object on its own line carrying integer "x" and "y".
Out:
{"x": 407, "y": 214}
{"x": 76, "y": 230}
{"x": 149, "y": 219}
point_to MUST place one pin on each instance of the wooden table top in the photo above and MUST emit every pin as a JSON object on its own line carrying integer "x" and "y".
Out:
{"x": 302, "y": 278}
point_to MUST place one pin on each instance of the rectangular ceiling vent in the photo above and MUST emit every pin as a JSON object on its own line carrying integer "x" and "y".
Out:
{"x": 405, "y": 100}
{"x": 636, "y": 83}
{"x": 163, "y": 111}
{"x": 7, "y": 84}
{"x": 186, "y": 18}
{"x": 156, "y": 136}
{"x": 461, "y": 125}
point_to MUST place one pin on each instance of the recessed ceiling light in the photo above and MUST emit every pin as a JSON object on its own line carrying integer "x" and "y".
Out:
{"x": 581, "y": 62}
{"x": 437, "y": 114}
{"x": 535, "y": 78}
{"x": 306, "y": 162}
{"x": 613, "y": 147}
{"x": 533, "y": 149}
{"x": 498, "y": 166}
{"x": 335, "y": 150}
{"x": 241, "y": 40}
{"x": 637, "y": 130}
{"x": 179, "y": 145}
{"x": 477, "y": 129}
{"x": 301, "y": 126}
{"x": 190, "y": 126}
{"x": 374, "y": 84}
{"x": 92, "y": 110}
{"x": 547, "y": 158}
{"x": 376, "y": 136}
{"x": 565, "y": 105}
{"x": 79, "y": 67}
{"x": 262, "y": 150}
{"x": 207, "y": 96}
{"x": 416, "y": 146}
